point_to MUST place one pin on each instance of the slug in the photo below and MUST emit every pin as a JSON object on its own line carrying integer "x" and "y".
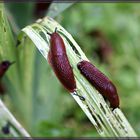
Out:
{"x": 59, "y": 62}
{"x": 100, "y": 82}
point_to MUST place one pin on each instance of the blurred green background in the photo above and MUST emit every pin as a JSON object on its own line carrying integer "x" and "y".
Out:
{"x": 109, "y": 34}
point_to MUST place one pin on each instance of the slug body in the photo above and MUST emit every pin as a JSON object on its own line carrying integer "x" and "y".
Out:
{"x": 100, "y": 82}
{"x": 59, "y": 62}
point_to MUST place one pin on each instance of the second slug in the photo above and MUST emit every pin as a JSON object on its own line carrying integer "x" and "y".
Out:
{"x": 100, "y": 82}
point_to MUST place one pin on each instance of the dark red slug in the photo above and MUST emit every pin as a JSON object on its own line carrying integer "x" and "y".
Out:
{"x": 59, "y": 62}
{"x": 100, "y": 82}
{"x": 4, "y": 65}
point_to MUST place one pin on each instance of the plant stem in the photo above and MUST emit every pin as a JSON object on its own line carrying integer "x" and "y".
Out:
{"x": 16, "y": 129}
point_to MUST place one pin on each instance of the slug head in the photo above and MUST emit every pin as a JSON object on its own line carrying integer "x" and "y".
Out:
{"x": 113, "y": 95}
{"x": 6, "y": 64}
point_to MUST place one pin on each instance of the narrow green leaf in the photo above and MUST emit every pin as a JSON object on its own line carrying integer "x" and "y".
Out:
{"x": 107, "y": 122}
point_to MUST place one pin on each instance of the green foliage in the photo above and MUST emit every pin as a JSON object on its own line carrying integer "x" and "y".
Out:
{"x": 54, "y": 130}
{"x": 23, "y": 12}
